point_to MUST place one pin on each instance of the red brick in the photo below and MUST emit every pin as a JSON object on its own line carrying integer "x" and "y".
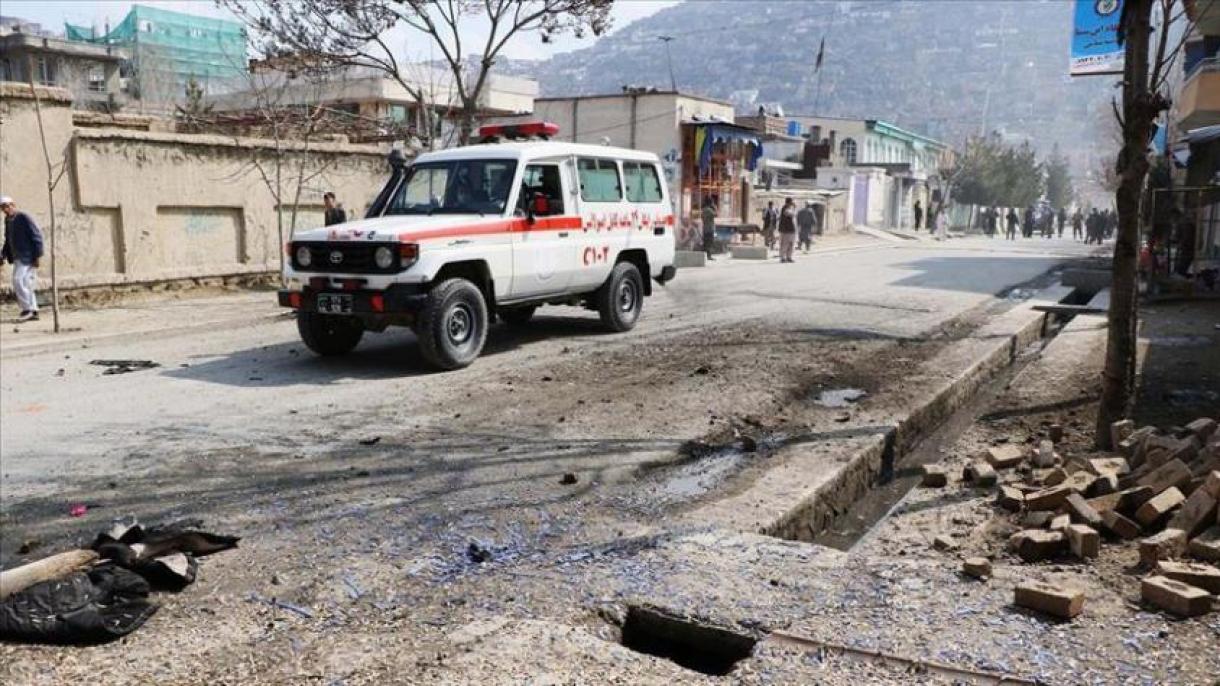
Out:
{"x": 1004, "y": 456}
{"x": 1196, "y": 513}
{"x": 1203, "y": 427}
{"x": 1169, "y": 475}
{"x": 979, "y": 474}
{"x": 1159, "y": 507}
{"x": 1051, "y": 599}
{"x": 1084, "y": 541}
{"x": 1120, "y": 525}
{"x": 1120, "y": 431}
{"x": 1081, "y": 511}
{"x": 1109, "y": 465}
{"x": 934, "y": 476}
{"x": 1033, "y": 545}
{"x": 977, "y": 567}
{"x": 1168, "y": 544}
{"x": 1175, "y": 597}
{"x": 1199, "y": 575}
{"x": 1206, "y": 546}
{"x": 1048, "y": 498}
{"x": 1010, "y": 499}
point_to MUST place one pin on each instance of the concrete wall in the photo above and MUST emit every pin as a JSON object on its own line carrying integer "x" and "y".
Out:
{"x": 139, "y": 206}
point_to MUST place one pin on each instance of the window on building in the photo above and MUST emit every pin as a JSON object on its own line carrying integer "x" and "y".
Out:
{"x": 847, "y": 150}
{"x": 97, "y": 79}
{"x": 643, "y": 182}
{"x": 145, "y": 26}
{"x": 398, "y": 113}
{"x": 599, "y": 181}
{"x": 46, "y": 71}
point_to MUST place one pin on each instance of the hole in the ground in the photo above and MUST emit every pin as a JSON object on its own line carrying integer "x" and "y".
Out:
{"x": 705, "y": 649}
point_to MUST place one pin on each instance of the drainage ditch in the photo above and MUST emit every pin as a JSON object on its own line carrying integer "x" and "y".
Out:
{"x": 900, "y": 471}
{"x": 693, "y": 645}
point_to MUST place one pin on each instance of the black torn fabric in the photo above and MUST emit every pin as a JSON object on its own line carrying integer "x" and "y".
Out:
{"x": 84, "y": 608}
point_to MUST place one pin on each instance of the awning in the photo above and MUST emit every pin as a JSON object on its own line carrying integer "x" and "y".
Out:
{"x": 707, "y": 135}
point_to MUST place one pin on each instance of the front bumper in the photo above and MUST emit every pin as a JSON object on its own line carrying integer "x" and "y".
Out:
{"x": 397, "y": 299}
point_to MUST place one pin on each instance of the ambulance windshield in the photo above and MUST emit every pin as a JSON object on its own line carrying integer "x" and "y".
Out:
{"x": 455, "y": 187}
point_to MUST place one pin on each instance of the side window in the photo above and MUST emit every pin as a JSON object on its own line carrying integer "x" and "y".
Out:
{"x": 599, "y": 181}
{"x": 643, "y": 184}
{"x": 544, "y": 179}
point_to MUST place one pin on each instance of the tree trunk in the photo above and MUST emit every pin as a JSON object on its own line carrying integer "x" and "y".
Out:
{"x": 1118, "y": 379}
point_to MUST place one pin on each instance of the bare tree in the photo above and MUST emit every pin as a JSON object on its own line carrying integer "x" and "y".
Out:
{"x": 53, "y": 177}
{"x": 325, "y": 33}
{"x": 1150, "y": 51}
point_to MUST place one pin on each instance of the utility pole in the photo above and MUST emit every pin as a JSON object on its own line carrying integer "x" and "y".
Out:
{"x": 669, "y": 58}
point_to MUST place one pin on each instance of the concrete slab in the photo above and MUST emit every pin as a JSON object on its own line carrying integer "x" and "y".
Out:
{"x": 685, "y": 259}
{"x": 748, "y": 252}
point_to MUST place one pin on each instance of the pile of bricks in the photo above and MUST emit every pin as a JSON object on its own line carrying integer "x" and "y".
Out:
{"x": 1161, "y": 488}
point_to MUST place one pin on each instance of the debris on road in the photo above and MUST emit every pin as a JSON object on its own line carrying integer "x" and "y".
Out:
{"x": 124, "y": 366}
{"x": 1051, "y": 599}
{"x": 83, "y": 597}
{"x": 568, "y": 479}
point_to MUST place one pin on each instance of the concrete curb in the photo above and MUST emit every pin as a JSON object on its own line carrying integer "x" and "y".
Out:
{"x": 807, "y": 508}
{"x": 76, "y": 342}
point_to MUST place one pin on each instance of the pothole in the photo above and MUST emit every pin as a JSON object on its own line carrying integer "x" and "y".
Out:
{"x": 698, "y": 647}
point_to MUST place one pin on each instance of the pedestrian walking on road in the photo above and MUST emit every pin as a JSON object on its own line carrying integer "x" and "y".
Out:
{"x": 1027, "y": 227}
{"x": 1077, "y": 225}
{"x": 806, "y": 221}
{"x": 993, "y": 221}
{"x": 335, "y": 213}
{"x": 770, "y": 219}
{"x": 918, "y": 215}
{"x": 1062, "y": 220}
{"x": 709, "y": 227}
{"x": 787, "y": 230}
{"x": 23, "y": 248}
{"x": 1013, "y": 220}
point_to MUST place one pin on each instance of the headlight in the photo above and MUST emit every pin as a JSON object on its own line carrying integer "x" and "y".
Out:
{"x": 304, "y": 256}
{"x": 384, "y": 257}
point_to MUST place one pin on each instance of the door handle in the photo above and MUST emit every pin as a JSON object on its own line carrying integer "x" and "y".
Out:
{"x": 563, "y": 234}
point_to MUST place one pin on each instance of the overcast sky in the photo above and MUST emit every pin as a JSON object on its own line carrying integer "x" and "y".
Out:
{"x": 52, "y": 16}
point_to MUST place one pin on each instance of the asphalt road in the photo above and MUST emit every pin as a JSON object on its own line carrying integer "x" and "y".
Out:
{"x": 257, "y": 387}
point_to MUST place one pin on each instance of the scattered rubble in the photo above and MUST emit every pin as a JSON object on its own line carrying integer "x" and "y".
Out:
{"x": 1051, "y": 599}
{"x": 124, "y": 366}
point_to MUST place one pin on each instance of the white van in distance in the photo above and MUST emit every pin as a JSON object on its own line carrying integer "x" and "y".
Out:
{"x": 462, "y": 236}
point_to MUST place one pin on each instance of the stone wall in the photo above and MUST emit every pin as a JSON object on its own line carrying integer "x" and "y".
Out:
{"x": 144, "y": 206}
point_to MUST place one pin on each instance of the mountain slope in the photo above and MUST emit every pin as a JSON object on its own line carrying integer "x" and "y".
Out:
{"x": 948, "y": 69}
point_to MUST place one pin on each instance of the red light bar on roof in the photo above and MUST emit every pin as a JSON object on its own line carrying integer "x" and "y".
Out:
{"x": 534, "y": 129}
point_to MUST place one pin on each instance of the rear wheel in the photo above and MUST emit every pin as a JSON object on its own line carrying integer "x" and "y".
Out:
{"x": 517, "y": 316}
{"x": 452, "y": 326}
{"x": 621, "y": 298}
{"x": 329, "y": 334}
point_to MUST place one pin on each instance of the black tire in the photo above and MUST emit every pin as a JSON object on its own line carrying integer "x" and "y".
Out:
{"x": 517, "y": 316}
{"x": 452, "y": 326}
{"x": 329, "y": 334}
{"x": 621, "y": 298}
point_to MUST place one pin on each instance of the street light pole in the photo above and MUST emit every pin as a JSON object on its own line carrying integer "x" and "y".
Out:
{"x": 669, "y": 58}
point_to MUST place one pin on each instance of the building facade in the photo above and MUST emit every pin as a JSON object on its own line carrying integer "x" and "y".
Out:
{"x": 168, "y": 49}
{"x": 1196, "y": 119}
{"x": 89, "y": 72}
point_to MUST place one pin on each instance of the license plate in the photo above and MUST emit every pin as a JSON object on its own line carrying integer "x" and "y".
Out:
{"x": 332, "y": 303}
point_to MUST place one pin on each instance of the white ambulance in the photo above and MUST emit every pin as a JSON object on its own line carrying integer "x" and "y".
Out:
{"x": 460, "y": 237}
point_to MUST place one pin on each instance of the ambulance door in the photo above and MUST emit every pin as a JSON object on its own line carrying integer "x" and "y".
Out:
{"x": 544, "y": 250}
{"x": 603, "y": 209}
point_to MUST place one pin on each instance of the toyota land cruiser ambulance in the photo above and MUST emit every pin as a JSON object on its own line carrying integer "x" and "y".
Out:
{"x": 462, "y": 236}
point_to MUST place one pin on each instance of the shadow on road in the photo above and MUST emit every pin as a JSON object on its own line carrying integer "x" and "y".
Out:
{"x": 391, "y": 354}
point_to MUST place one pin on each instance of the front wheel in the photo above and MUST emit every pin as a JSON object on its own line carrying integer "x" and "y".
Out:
{"x": 329, "y": 334}
{"x": 621, "y": 298}
{"x": 452, "y": 326}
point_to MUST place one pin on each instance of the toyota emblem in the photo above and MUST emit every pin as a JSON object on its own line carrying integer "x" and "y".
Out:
{"x": 336, "y": 257}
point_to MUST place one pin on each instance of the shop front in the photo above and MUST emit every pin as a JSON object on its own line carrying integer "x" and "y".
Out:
{"x": 719, "y": 162}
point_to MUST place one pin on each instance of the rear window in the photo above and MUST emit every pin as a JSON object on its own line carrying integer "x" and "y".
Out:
{"x": 599, "y": 181}
{"x": 643, "y": 184}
